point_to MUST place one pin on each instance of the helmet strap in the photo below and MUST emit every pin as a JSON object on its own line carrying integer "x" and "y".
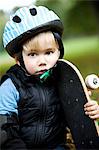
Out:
{"x": 20, "y": 59}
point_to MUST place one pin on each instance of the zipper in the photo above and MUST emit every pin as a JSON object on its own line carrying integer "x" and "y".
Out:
{"x": 43, "y": 102}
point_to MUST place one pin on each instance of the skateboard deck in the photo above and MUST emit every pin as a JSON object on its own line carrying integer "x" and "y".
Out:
{"x": 73, "y": 95}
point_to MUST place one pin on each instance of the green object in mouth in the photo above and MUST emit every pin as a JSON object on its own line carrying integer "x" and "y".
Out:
{"x": 45, "y": 75}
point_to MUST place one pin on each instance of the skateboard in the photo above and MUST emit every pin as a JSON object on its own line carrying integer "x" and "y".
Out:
{"x": 73, "y": 95}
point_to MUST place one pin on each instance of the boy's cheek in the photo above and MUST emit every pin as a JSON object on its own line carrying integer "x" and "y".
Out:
{"x": 30, "y": 69}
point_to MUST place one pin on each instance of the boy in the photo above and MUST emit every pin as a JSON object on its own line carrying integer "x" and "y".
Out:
{"x": 31, "y": 113}
{"x": 30, "y": 109}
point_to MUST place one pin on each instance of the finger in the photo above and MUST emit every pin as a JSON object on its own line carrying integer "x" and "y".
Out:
{"x": 91, "y": 108}
{"x": 91, "y": 113}
{"x": 90, "y": 103}
{"x": 95, "y": 116}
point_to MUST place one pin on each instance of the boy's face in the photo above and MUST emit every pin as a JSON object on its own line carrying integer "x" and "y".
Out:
{"x": 40, "y": 53}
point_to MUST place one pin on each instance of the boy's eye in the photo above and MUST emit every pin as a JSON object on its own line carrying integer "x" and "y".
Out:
{"x": 49, "y": 52}
{"x": 32, "y": 54}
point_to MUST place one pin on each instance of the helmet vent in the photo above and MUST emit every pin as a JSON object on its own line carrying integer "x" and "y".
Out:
{"x": 33, "y": 11}
{"x": 16, "y": 19}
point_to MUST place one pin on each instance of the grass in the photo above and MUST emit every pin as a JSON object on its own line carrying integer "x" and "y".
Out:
{"x": 84, "y": 53}
{"x": 81, "y": 46}
{"x": 5, "y": 62}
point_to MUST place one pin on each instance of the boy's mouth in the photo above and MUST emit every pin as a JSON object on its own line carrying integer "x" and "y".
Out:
{"x": 41, "y": 72}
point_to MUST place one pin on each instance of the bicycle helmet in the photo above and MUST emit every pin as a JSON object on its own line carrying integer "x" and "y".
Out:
{"x": 26, "y": 23}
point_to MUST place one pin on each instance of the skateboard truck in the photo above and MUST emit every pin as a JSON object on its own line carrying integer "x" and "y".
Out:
{"x": 92, "y": 81}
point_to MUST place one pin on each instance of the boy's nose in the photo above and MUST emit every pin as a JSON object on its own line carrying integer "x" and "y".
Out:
{"x": 42, "y": 64}
{"x": 42, "y": 61}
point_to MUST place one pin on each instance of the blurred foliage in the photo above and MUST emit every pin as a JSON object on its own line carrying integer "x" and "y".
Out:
{"x": 3, "y": 19}
{"x": 78, "y": 17}
{"x": 5, "y": 62}
{"x": 84, "y": 52}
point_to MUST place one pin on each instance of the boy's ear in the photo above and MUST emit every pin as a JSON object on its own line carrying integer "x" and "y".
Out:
{"x": 17, "y": 62}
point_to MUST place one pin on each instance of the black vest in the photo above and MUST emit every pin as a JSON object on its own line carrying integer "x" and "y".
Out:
{"x": 39, "y": 110}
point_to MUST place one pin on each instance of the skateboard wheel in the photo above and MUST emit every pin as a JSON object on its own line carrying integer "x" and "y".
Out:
{"x": 92, "y": 81}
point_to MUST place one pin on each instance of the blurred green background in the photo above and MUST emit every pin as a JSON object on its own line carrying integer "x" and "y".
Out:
{"x": 80, "y": 38}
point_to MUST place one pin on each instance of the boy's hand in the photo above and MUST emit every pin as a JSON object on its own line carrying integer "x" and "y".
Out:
{"x": 92, "y": 109}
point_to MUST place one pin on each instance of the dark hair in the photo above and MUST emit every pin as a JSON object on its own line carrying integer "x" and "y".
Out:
{"x": 59, "y": 40}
